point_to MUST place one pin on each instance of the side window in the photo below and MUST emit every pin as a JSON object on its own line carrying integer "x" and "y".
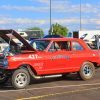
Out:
{"x": 65, "y": 46}
{"x": 77, "y": 46}
{"x": 21, "y": 33}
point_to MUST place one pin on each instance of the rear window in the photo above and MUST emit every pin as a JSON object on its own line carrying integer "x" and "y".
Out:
{"x": 76, "y": 46}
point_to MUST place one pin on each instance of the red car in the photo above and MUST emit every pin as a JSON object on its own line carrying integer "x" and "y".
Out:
{"x": 45, "y": 57}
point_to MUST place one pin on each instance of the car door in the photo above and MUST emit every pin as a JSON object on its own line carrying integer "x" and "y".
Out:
{"x": 58, "y": 60}
{"x": 81, "y": 55}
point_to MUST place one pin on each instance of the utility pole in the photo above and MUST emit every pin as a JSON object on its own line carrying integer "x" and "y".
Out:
{"x": 80, "y": 15}
{"x": 50, "y": 19}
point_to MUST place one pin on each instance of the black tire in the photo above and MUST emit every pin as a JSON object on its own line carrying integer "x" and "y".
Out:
{"x": 20, "y": 79}
{"x": 86, "y": 71}
{"x": 3, "y": 80}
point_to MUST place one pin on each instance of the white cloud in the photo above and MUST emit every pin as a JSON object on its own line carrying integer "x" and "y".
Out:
{"x": 2, "y": 27}
{"x": 98, "y": 27}
{"x": 54, "y": 3}
{"x": 19, "y": 23}
{"x": 83, "y": 29}
{"x": 64, "y": 6}
{"x": 47, "y": 2}
{"x": 2, "y": 22}
{"x": 57, "y": 7}
{"x": 24, "y": 21}
{"x": 98, "y": 15}
{"x": 74, "y": 20}
{"x": 3, "y": 15}
{"x": 95, "y": 21}
{"x": 26, "y": 8}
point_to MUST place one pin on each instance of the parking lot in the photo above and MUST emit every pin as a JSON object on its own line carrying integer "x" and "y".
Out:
{"x": 55, "y": 88}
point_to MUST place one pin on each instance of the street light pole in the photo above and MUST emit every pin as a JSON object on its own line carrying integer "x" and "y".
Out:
{"x": 50, "y": 20}
{"x": 80, "y": 15}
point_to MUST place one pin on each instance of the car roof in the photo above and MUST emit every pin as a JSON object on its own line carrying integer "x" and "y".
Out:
{"x": 66, "y": 39}
{"x": 61, "y": 39}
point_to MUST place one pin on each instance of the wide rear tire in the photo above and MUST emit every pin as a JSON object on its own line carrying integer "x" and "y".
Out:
{"x": 87, "y": 71}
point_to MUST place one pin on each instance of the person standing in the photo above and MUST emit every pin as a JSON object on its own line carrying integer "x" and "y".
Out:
{"x": 97, "y": 41}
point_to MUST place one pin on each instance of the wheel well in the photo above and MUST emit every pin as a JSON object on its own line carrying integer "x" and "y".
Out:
{"x": 24, "y": 66}
{"x": 94, "y": 63}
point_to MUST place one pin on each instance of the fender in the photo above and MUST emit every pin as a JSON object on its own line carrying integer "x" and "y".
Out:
{"x": 28, "y": 68}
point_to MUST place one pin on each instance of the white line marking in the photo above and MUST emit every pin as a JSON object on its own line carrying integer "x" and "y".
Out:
{"x": 65, "y": 86}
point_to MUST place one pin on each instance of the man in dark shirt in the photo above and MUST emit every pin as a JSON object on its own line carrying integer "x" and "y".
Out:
{"x": 97, "y": 41}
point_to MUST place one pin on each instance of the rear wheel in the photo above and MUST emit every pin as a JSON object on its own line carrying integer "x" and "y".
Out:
{"x": 20, "y": 79}
{"x": 86, "y": 71}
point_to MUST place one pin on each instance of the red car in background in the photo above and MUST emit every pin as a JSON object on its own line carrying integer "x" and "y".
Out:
{"x": 45, "y": 57}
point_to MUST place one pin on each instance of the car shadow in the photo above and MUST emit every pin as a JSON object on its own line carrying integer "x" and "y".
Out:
{"x": 70, "y": 77}
{"x": 7, "y": 86}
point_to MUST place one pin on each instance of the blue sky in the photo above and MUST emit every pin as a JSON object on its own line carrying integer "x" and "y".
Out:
{"x": 23, "y": 14}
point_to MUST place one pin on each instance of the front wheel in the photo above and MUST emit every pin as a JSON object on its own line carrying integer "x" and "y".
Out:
{"x": 20, "y": 78}
{"x": 86, "y": 71}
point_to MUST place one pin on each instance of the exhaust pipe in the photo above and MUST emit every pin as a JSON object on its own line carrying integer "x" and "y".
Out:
{"x": 32, "y": 74}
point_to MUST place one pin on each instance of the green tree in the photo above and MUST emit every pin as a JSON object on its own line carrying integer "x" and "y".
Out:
{"x": 36, "y": 28}
{"x": 59, "y": 30}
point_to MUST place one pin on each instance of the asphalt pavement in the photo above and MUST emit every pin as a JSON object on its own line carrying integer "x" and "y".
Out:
{"x": 55, "y": 88}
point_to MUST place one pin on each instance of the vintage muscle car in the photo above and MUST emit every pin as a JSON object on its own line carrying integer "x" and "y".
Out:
{"x": 45, "y": 57}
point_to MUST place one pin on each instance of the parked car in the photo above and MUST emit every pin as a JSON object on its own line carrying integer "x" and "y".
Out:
{"x": 46, "y": 57}
{"x": 91, "y": 42}
{"x": 32, "y": 38}
{"x": 52, "y": 36}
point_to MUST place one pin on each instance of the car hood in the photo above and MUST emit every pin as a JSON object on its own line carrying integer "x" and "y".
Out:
{"x": 4, "y": 35}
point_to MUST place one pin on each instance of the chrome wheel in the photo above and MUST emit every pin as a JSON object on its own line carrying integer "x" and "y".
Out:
{"x": 87, "y": 70}
{"x": 21, "y": 79}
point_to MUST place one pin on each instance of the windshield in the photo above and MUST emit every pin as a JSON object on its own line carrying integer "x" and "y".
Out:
{"x": 83, "y": 36}
{"x": 94, "y": 36}
{"x": 40, "y": 45}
